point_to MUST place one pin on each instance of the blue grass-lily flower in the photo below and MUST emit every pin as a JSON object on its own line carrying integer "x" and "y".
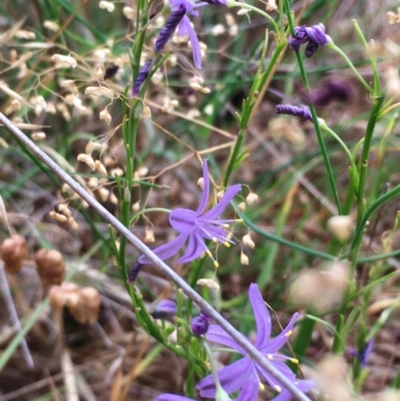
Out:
{"x": 197, "y": 226}
{"x": 314, "y": 36}
{"x": 303, "y": 112}
{"x": 180, "y": 10}
{"x": 245, "y": 374}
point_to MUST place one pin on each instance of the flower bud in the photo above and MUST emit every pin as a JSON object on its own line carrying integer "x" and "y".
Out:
{"x": 209, "y": 283}
{"x": 251, "y": 198}
{"x": 149, "y": 237}
{"x": 341, "y": 227}
{"x": 199, "y": 325}
{"x": 244, "y": 260}
{"x": 13, "y": 252}
{"x": 50, "y": 266}
{"x": 164, "y": 310}
{"x": 248, "y": 241}
{"x": 92, "y": 302}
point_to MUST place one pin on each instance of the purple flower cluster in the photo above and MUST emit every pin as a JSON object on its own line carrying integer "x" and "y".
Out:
{"x": 199, "y": 324}
{"x": 314, "y": 36}
{"x": 245, "y": 375}
{"x": 303, "y": 112}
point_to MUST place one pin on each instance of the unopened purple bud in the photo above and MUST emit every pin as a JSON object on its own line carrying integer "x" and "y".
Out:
{"x": 172, "y": 22}
{"x": 135, "y": 271}
{"x": 303, "y": 112}
{"x": 143, "y": 73}
{"x": 165, "y": 310}
{"x": 199, "y": 325}
{"x": 316, "y": 33}
{"x": 311, "y": 48}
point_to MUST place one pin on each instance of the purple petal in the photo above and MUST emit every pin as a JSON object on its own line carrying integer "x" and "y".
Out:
{"x": 206, "y": 190}
{"x": 278, "y": 342}
{"x": 219, "y": 336}
{"x": 316, "y": 33}
{"x": 261, "y": 315}
{"x": 232, "y": 378}
{"x": 144, "y": 72}
{"x": 185, "y": 27}
{"x": 217, "y": 210}
{"x": 249, "y": 391}
{"x": 206, "y": 230}
{"x": 183, "y": 220}
{"x": 167, "y": 250}
{"x": 285, "y": 370}
{"x": 196, "y": 247}
{"x": 286, "y": 395}
{"x": 172, "y": 397}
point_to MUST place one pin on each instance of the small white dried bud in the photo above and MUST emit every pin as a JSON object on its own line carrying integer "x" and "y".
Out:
{"x": 248, "y": 241}
{"x": 93, "y": 182}
{"x": 242, "y": 11}
{"x": 393, "y": 18}
{"x": 129, "y": 12}
{"x": 251, "y": 198}
{"x": 271, "y": 5}
{"x": 100, "y": 167}
{"x": 14, "y": 106}
{"x": 38, "y": 136}
{"x": 242, "y": 206}
{"x": 117, "y": 171}
{"x": 200, "y": 182}
{"x": 57, "y": 216}
{"x": 209, "y": 283}
{"x": 88, "y": 160}
{"x": 113, "y": 198}
{"x": 106, "y": 5}
{"x": 143, "y": 171}
{"x": 13, "y": 56}
{"x": 64, "y": 111}
{"x": 64, "y": 61}
{"x": 205, "y": 90}
{"x": 147, "y": 112}
{"x": 72, "y": 222}
{"x": 149, "y": 237}
{"x": 104, "y": 194}
{"x": 63, "y": 208}
{"x": 136, "y": 207}
{"x": 218, "y": 29}
{"x": 244, "y": 260}
{"x": 209, "y": 109}
{"x": 51, "y": 26}
{"x": 230, "y": 19}
{"x": 70, "y": 84}
{"x": 106, "y": 116}
{"x": 99, "y": 91}
{"x": 27, "y": 35}
{"x": 233, "y": 30}
{"x": 391, "y": 76}
{"x": 220, "y": 194}
{"x": 341, "y": 227}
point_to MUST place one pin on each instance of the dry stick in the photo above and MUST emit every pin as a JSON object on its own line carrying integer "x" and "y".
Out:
{"x": 193, "y": 295}
{"x": 14, "y": 315}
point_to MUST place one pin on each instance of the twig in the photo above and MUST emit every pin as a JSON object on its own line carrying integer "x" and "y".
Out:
{"x": 14, "y": 316}
{"x": 193, "y": 295}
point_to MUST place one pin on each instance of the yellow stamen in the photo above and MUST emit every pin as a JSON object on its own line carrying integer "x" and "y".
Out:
{"x": 277, "y": 388}
{"x": 262, "y": 387}
{"x": 214, "y": 240}
{"x": 225, "y": 225}
{"x": 227, "y": 244}
{"x": 289, "y": 333}
{"x": 239, "y": 220}
{"x": 209, "y": 253}
{"x": 270, "y": 357}
{"x": 216, "y": 264}
{"x": 294, "y": 360}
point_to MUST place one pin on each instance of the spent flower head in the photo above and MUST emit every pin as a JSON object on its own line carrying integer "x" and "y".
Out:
{"x": 197, "y": 226}
{"x": 314, "y": 36}
{"x": 245, "y": 374}
{"x": 303, "y": 112}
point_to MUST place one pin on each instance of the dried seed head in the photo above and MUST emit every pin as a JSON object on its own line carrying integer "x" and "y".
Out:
{"x": 251, "y": 198}
{"x": 242, "y": 206}
{"x": 248, "y": 241}
{"x": 106, "y": 5}
{"x": 57, "y": 216}
{"x": 13, "y": 252}
{"x": 136, "y": 207}
{"x": 244, "y": 260}
{"x": 391, "y": 76}
{"x": 209, "y": 109}
{"x": 100, "y": 167}
{"x": 72, "y": 222}
{"x": 70, "y": 85}
{"x": 51, "y": 26}
{"x": 106, "y": 116}
{"x": 200, "y": 182}
{"x": 27, "y": 35}
{"x": 271, "y": 5}
{"x": 64, "y": 61}
{"x": 88, "y": 160}
{"x": 393, "y": 17}
{"x": 341, "y": 227}
{"x": 129, "y": 12}
{"x": 99, "y": 91}
{"x": 50, "y": 266}
{"x": 218, "y": 29}
{"x": 149, "y": 237}
{"x": 209, "y": 283}
{"x": 92, "y": 302}
{"x": 146, "y": 112}
{"x": 38, "y": 136}
{"x": 104, "y": 194}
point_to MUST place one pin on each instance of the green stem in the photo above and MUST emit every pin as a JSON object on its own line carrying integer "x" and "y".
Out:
{"x": 324, "y": 151}
{"x": 149, "y": 210}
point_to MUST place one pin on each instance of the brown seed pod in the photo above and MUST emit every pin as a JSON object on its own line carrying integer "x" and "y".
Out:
{"x": 92, "y": 302}
{"x": 50, "y": 266}
{"x": 14, "y": 252}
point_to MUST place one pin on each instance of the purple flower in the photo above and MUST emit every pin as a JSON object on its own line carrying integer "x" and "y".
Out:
{"x": 314, "y": 36}
{"x": 143, "y": 73}
{"x": 245, "y": 374}
{"x": 303, "y": 112}
{"x": 179, "y": 18}
{"x": 164, "y": 309}
{"x": 199, "y": 324}
{"x": 364, "y": 354}
{"x": 197, "y": 226}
